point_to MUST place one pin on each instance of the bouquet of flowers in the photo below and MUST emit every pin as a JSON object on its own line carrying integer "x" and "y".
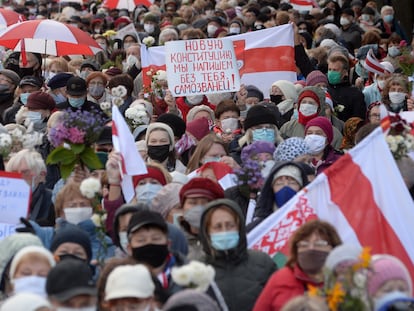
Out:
{"x": 6, "y": 144}
{"x": 73, "y": 139}
{"x": 194, "y": 275}
{"x": 148, "y": 41}
{"x": 250, "y": 179}
{"x": 136, "y": 116}
{"x": 346, "y": 290}
{"x": 400, "y": 139}
{"x": 406, "y": 59}
{"x": 117, "y": 94}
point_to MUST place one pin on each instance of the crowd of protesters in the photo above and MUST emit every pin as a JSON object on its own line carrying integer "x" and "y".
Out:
{"x": 76, "y": 251}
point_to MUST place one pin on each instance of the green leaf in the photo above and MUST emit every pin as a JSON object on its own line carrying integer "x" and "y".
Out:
{"x": 77, "y": 148}
{"x": 90, "y": 159}
{"x": 61, "y": 155}
{"x": 67, "y": 169}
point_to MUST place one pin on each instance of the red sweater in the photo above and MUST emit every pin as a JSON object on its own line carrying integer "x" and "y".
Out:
{"x": 283, "y": 285}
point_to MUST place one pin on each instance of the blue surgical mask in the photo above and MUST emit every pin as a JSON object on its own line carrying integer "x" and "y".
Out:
{"x": 123, "y": 240}
{"x": 34, "y": 116}
{"x": 76, "y": 102}
{"x": 388, "y": 18}
{"x": 145, "y": 193}
{"x": 223, "y": 241}
{"x": 59, "y": 98}
{"x": 284, "y": 195}
{"x": 264, "y": 135}
{"x": 23, "y": 98}
{"x": 394, "y": 51}
{"x": 295, "y": 115}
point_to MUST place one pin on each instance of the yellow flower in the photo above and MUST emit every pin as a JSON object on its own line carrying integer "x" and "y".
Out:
{"x": 109, "y": 33}
{"x": 364, "y": 259}
{"x": 313, "y": 291}
{"x": 335, "y": 297}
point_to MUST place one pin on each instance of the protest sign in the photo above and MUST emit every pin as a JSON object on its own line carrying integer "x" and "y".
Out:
{"x": 127, "y": 30}
{"x": 201, "y": 67}
{"x": 14, "y": 201}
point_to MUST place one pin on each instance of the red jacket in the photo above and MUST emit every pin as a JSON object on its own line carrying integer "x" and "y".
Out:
{"x": 282, "y": 286}
{"x": 185, "y": 108}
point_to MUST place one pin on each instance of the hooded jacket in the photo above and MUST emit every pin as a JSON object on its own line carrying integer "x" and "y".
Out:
{"x": 241, "y": 274}
{"x": 266, "y": 201}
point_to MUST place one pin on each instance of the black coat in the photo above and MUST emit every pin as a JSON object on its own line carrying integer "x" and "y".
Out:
{"x": 350, "y": 97}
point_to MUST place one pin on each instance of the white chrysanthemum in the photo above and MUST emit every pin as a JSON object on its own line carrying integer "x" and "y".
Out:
{"x": 181, "y": 275}
{"x": 202, "y": 275}
{"x": 5, "y": 140}
{"x": 161, "y": 75}
{"x": 399, "y": 139}
{"x": 148, "y": 41}
{"x": 105, "y": 105}
{"x": 96, "y": 219}
{"x": 89, "y": 187}
{"x": 360, "y": 279}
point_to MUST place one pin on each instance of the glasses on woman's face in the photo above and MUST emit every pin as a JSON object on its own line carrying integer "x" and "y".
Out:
{"x": 318, "y": 244}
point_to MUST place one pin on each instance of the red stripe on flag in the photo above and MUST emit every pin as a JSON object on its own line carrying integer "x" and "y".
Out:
{"x": 23, "y": 52}
{"x": 280, "y": 58}
{"x": 358, "y": 206}
{"x": 146, "y": 78}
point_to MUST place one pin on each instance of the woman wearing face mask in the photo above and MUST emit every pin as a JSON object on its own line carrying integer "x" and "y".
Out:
{"x": 228, "y": 125}
{"x": 160, "y": 145}
{"x": 38, "y": 109}
{"x": 29, "y": 269}
{"x": 393, "y": 50}
{"x": 372, "y": 93}
{"x": 395, "y": 94}
{"x": 311, "y": 104}
{"x": 241, "y": 273}
{"x": 284, "y": 95}
{"x": 309, "y": 247}
{"x": 96, "y": 83}
{"x": 318, "y": 137}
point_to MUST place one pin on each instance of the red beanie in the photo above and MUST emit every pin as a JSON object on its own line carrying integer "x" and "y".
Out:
{"x": 201, "y": 187}
{"x": 324, "y": 124}
{"x": 311, "y": 94}
{"x": 152, "y": 173}
{"x": 40, "y": 100}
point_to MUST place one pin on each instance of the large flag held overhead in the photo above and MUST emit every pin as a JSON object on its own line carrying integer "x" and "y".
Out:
{"x": 132, "y": 162}
{"x": 263, "y": 57}
{"x": 363, "y": 195}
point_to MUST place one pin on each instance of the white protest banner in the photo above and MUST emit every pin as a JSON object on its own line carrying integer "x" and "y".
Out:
{"x": 201, "y": 67}
{"x": 14, "y": 201}
{"x": 127, "y": 30}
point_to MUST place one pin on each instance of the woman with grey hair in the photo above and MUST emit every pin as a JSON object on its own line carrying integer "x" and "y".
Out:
{"x": 167, "y": 34}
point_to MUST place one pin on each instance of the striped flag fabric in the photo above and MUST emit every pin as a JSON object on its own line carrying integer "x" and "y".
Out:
{"x": 263, "y": 56}
{"x": 132, "y": 162}
{"x": 372, "y": 64}
{"x": 222, "y": 172}
{"x": 362, "y": 194}
{"x": 302, "y": 5}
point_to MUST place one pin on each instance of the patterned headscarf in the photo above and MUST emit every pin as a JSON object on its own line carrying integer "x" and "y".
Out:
{"x": 352, "y": 125}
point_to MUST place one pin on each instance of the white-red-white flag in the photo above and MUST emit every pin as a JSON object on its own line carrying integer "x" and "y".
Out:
{"x": 372, "y": 64}
{"x": 222, "y": 172}
{"x": 362, "y": 194}
{"x": 302, "y": 5}
{"x": 263, "y": 57}
{"x": 132, "y": 162}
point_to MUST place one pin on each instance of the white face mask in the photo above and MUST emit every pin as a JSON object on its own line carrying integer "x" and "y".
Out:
{"x": 75, "y": 215}
{"x": 211, "y": 30}
{"x": 145, "y": 193}
{"x": 308, "y": 109}
{"x": 396, "y": 97}
{"x": 267, "y": 167}
{"x": 149, "y": 28}
{"x": 231, "y": 124}
{"x": 194, "y": 99}
{"x": 316, "y": 143}
{"x": 123, "y": 240}
{"x": 131, "y": 60}
{"x": 344, "y": 21}
{"x": 381, "y": 84}
{"x": 30, "y": 284}
{"x": 235, "y": 30}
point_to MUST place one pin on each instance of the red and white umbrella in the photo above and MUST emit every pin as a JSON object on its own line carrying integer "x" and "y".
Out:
{"x": 9, "y": 17}
{"x": 126, "y": 4}
{"x": 48, "y": 37}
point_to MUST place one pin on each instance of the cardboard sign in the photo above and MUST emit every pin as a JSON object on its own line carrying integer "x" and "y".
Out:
{"x": 201, "y": 67}
{"x": 128, "y": 29}
{"x": 14, "y": 201}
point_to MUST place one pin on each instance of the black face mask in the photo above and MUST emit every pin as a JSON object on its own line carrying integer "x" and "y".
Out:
{"x": 159, "y": 153}
{"x": 276, "y": 99}
{"x": 26, "y": 72}
{"x": 312, "y": 261}
{"x": 151, "y": 254}
{"x": 4, "y": 89}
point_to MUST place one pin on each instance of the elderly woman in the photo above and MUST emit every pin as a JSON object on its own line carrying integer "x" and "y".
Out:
{"x": 241, "y": 273}
{"x": 395, "y": 94}
{"x": 309, "y": 247}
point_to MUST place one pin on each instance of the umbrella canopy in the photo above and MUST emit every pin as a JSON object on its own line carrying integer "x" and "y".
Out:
{"x": 126, "y": 4}
{"x": 48, "y": 37}
{"x": 9, "y": 17}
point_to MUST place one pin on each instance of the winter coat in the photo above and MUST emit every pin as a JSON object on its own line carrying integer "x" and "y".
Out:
{"x": 352, "y": 37}
{"x": 295, "y": 129}
{"x": 284, "y": 285}
{"x": 329, "y": 157}
{"x": 351, "y": 98}
{"x": 41, "y": 208}
{"x": 371, "y": 94}
{"x": 241, "y": 274}
{"x": 266, "y": 202}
